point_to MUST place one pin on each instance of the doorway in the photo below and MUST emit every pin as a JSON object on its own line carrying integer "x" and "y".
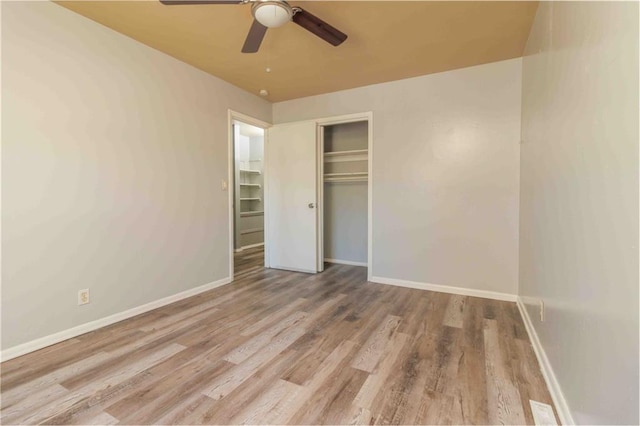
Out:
{"x": 344, "y": 193}
{"x": 246, "y": 195}
{"x": 316, "y": 168}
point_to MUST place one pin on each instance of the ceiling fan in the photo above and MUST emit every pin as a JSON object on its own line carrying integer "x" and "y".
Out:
{"x": 272, "y": 14}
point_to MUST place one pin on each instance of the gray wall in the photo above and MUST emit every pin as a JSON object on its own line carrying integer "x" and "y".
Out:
{"x": 445, "y": 173}
{"x": 112, "y": 160}
{"x": 579, "y": 202}
{"x": 345, "y": 204}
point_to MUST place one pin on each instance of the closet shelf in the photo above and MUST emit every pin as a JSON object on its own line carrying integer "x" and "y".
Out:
{"x": 251, "y": 213}
{"x": 345, "y": 177}
{"x": 257, "y": 172}
{"x": 251, "y": 231}
{"x": 343, "y": 156}
{"x": 339, "y": 153}
{"x": 252, "y": 185}
{"x": 250, "y": 199}
{"x": 338, "y": 175}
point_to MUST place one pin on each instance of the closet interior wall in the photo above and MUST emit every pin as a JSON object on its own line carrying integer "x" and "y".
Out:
{"x": 345, "y": 193}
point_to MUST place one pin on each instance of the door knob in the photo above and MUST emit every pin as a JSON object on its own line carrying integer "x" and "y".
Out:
{"x": 311, "y": 205}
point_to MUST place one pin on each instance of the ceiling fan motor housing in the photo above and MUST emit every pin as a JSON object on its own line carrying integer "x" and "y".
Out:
{"x": 272, "y": 13}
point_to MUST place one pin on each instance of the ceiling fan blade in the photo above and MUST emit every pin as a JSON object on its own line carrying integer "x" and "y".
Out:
{"x": 175, "y": 2}
{"x": 254, "y": 38}
{"x": 320, "y": 28}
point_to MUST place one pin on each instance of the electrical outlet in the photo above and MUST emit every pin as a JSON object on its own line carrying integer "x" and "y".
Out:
{"x": 541, "y": 310}
{"x": 224, "y": 185}
{"x": 83, "y": 296}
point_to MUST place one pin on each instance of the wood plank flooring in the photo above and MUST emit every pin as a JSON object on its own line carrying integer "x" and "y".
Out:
{"x": 247, "y": 261}
{"x": 277, "y": 347}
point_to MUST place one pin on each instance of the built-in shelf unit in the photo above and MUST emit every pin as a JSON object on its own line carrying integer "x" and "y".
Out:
{"x": 250, "y": 187}
{"x": 346, "y": 166}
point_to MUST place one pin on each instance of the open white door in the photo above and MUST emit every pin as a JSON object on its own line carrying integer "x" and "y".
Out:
{"x": 291, "y": 178}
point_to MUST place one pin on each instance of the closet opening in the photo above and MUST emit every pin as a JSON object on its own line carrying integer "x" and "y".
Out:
{"x": 248, "y": 197}
{"x": 345, "y": 191}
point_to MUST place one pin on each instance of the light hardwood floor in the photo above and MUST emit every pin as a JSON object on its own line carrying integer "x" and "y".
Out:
{"x": 248, "y": 261}
{"x": 281, "y": 347}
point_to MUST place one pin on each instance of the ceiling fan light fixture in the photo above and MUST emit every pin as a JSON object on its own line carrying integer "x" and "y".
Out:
{"x": 272, "y": 13}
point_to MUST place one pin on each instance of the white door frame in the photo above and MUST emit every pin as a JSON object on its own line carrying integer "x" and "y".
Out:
{"x": 231, "y": 117}
{"x": 343, "y": 119}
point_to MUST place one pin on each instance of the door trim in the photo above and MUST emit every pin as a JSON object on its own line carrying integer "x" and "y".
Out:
{"x": 231, "y": 116}
{"x": 320, "y": 197}
{"x": 342, "y": 119}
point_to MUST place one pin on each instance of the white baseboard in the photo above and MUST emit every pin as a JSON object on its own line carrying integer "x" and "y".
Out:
{"x": 346, "y": 262}
{"x": 446, "y": 289}
{"x": 547, "y": 371}
{"x": 70, "y": 333}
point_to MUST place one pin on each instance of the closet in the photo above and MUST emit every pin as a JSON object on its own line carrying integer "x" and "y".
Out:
{"x": 345, "y": 193}
{"x": 248, "y": 180}
{"x": 318, "y": 190}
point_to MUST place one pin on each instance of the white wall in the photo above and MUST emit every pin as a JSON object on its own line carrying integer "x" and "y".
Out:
{"x": 579, "y": 202}
{"x": 113, "y": 156}
{"x": 445, "y": 173}
{"x": 345, "y": 221}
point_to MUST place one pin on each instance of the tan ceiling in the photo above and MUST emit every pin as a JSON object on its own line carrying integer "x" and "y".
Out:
{"x": 388, "y": 40}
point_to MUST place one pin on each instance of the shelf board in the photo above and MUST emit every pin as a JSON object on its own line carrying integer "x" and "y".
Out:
{"x": 345, "y": 177}
{"x": 344, "y": 156}
{"x": 250, "y": 199}
{"x": 352, "y": 152}
{"x": 257, "y": 172}
{"x": 353, "y": 174}
{"x": 252, "y": 185}
{"x": 250, "y": 213}
{"x": 345, "y": 180}
{"x": 251, "y": 231}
